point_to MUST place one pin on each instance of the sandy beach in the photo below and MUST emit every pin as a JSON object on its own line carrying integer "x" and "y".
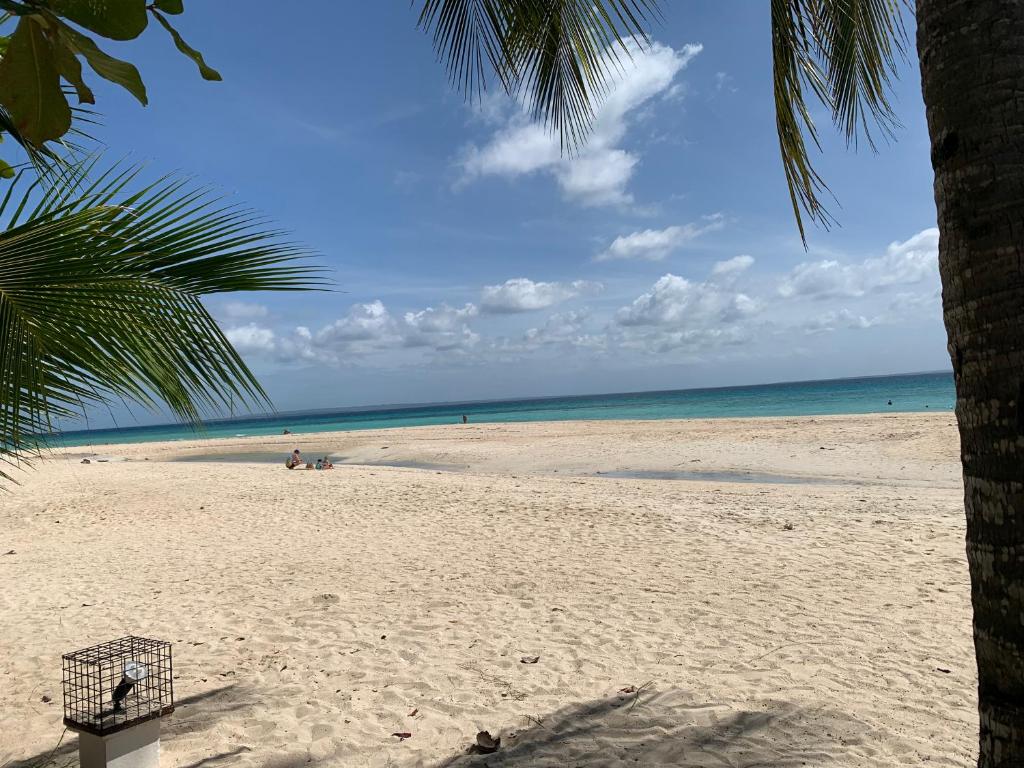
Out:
{"x": 748, "y": 592}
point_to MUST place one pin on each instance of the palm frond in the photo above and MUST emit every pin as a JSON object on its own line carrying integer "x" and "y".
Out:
{"x": 558, "y": 54}
{"x": 100, "y": 287}
{"x": 846, "y": 53}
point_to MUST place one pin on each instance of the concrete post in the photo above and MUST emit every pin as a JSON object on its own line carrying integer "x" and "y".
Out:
{"x": 135, "y": 747}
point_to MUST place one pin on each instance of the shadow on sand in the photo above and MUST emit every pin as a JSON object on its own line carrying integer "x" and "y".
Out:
{"x": 672, "y": 728}
{"x": 193, "y": 714}
{"x": 666, "y": 728}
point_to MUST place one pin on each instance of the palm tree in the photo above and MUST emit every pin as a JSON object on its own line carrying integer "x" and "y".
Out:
{"x": 558, "y": 55}
{"x": 100, "y": 286}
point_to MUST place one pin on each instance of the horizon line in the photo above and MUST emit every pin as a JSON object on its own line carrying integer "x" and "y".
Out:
{"x": 380, "y": 407}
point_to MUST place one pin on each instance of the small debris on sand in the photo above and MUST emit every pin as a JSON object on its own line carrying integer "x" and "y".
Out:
{"x": 530, "y": 659}
{"x": 402, "y": 735}
{"x": 486, "y": 744}
{"x": 787, "y": 527}
{"x": 86, "y": 461}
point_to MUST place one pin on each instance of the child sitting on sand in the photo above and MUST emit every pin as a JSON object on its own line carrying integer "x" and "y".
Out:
{"x": 295, "y": 460}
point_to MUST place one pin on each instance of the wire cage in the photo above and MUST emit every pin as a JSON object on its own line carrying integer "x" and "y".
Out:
{"x": 117, "y": 684}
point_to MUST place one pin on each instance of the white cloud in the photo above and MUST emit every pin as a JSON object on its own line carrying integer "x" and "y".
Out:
{"x": 727, "y": 314}
{"x": 565, "y": 329}
{"x": 251, "y": 338}
{"x": 674, "y": 300}
{"x": 523, "y": 295}
{"x": 600, "y": 173}
{"x": 913, "y": 261}
{"x": 656, "y": 244}
{"x": 733, "y": 266}
{"x": 843, "y": 318}
{"x": 680, "y": 314}
{"x": 363, "y": 323}
{"x": 365, "y": 329}
{"x": 598, "y": 177}
{"x": 444, "y": 328}
{"x": 257, "y": 340}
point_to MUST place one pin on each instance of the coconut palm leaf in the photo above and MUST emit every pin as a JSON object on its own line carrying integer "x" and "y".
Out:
{"x": 100, "y": 287}
{"x": 846, "y": 53}
{"x": 557, "y": 54}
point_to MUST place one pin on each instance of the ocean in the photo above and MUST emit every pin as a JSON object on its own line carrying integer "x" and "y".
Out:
{"x": 907, "y": 392}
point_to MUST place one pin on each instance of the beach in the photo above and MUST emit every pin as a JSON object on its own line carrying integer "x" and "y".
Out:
{"x": 728, "y": 592}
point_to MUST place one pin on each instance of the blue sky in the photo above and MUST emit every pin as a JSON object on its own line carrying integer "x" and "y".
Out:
{"x": 473, "y": 261}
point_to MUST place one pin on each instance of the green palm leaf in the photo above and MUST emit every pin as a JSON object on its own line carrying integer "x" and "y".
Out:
{"x": 100, "y": 287}
{"x": 557, "y": 54}
{"x": 845, "y": 52}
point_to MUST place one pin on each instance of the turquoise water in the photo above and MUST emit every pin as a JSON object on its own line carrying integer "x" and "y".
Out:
{"x": 910, "y": 392}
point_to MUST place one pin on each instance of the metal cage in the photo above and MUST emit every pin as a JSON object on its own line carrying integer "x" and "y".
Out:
{"x": 117, "y": 684}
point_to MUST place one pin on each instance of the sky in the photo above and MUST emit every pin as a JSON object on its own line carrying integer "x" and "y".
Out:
{"x": 471, "y": 259}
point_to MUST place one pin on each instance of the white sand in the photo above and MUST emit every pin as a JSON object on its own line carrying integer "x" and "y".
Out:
{"x": 314, "y": 612}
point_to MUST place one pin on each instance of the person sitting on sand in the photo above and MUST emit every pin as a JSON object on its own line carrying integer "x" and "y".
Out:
{"x": 327, "y": 463}
{"x": 294, "y": 460}
{"x": 319, "y": 463}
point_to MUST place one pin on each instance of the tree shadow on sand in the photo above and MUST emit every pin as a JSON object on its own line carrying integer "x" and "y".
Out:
{"x": 193, "y": 714}
{"x": 672, "y": 728}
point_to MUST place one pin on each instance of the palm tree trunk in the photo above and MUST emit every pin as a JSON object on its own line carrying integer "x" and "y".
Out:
{"x": 972, "y": 75}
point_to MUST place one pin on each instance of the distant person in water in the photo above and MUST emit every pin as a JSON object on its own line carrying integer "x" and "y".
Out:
{"x": 295, "y": 460}
{"x": 890, "y": 402}
{"x": 465, "y": 418}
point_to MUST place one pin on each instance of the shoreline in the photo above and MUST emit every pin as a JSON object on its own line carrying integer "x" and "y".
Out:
{"x": 848, "y": 448}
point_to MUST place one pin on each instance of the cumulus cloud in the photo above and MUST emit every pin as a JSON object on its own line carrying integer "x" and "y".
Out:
{"x": 733, "y": 266}
{"x": 523, "y": 295}
{"x": 600, "y": 173}
{"x": 656, "y": 244}
{"x": 444, "y": 328}
{"x": 905, "y": 263}
{"x": 251, "y": 338}
{"x": 674, "y": 300}
{"x": 365, "y": 329}
{"x": 564, "y": 329}
{"x": 363, "y": 323}
{"x": 681, "y": 314}
{"x": 724, "y": 313}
